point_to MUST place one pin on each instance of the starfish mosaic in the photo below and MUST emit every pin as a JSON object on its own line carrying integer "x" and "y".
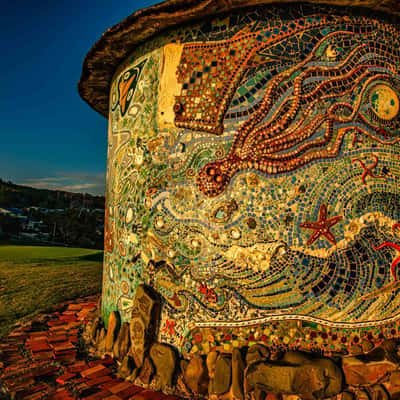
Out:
{"x": 322, "y": 227}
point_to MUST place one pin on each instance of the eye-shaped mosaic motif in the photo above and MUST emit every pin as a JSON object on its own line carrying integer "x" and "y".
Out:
{"x": 122, "y": 97}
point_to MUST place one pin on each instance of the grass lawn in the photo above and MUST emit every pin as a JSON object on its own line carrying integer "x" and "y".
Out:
{"x": 34, "y": 278}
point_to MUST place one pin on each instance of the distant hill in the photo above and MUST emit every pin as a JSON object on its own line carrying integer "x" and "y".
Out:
{"x": 12, "y": 195}
{"x": 53, "y": 217}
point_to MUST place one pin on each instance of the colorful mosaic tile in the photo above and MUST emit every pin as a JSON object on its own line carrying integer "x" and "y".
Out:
{"x": 253, "y": 170}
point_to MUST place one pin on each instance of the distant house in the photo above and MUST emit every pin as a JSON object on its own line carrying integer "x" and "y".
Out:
{"x": 34, "y": 226}
{"x": 15, "y": 211}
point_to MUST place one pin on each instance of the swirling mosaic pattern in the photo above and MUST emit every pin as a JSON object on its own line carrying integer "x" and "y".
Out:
{"x": 253, "y": 176}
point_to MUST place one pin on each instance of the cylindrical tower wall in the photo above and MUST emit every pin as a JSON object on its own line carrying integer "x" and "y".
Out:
{"x": 253, "y": 177}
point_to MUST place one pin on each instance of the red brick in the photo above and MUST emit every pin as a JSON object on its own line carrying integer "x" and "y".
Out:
{"x": 38, "y": 334}
{"x": 66, "y": 356}
{"x": 63, "y": 347}
{"x": 68, "y": 318}
{"x": 14, "y": 357}
{"x": 38, "y": 391}
{"x": 104, "y": 361}
{"x": 59, "y": 328}
{"x": 77, "y": 367}
{"x": 95, "y": 372}
{"x": 62, "y": 394}
{"x": 111, "y": 383}
{"x": 36, "y": 396}
{"x": 57, "y": 338}
{"x": 99, "y": 395}
{"x": 36, "y": 342}
{"x": 18, "y": 336}
{"x": 74, "y": 307}
{"x": 149, "y": 395}
{"x": 119, "y": 387}
{"x": 79, "y": 380}
{"x": 65, "y": 377}
{"x": 42, "y": 372}
{"x": 55, "y": 322}
{"x": 73, "y": 339}
{"x": 38, "y": 347}
{"x": 129, "y": 392}
{"x": 44, "y": 355}
{"x": 73, "y": 324}
{"x": 20, "y": 383}
{"x": 70, "y": 312}
{"x": 100, "y": 380}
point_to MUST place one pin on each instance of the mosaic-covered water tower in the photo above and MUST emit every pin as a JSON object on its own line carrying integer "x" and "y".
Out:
{"x": 253, "y": 176}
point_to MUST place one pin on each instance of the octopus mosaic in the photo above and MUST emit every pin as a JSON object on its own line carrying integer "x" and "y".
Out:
{"x": 253, "y": 179}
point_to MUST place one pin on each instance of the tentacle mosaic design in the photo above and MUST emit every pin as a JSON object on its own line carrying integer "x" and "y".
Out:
{"x": 282, "y": 133}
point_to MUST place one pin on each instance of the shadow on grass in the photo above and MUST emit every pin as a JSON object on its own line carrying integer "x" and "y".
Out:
{"x": 93, "y": 257}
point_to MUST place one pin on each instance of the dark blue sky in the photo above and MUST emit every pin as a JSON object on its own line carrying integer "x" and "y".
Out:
{"x": 51, "y": 138}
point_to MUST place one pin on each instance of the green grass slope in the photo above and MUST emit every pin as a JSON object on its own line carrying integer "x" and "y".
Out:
{"x": 33, "y": 279}
{"x": 16, "y": 253}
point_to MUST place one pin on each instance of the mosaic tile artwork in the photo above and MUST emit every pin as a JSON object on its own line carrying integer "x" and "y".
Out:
{"x": 253, "y": 170}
